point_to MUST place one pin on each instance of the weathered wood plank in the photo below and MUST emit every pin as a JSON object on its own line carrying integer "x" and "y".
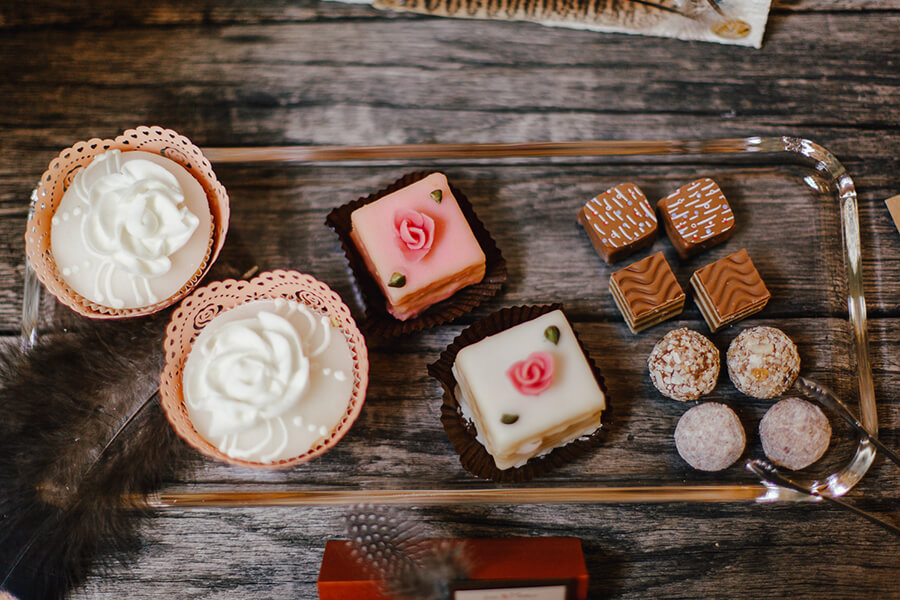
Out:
{"x": 834, "y": 5}
{"x": 221, "y": 67}
{"x": 868, "y": 156}
{"x": 632, "y": 551}
{"x": 109, "y": 13}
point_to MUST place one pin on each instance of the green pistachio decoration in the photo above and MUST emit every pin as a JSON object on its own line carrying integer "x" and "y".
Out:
{"x": 552, "y": 334}
{"x": 437, "y": 196}
{"x": 397, "y": 280}
{"x": 508, "y": 419}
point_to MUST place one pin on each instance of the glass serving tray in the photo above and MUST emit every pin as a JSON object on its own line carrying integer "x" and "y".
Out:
{"x": 790, "y": 196}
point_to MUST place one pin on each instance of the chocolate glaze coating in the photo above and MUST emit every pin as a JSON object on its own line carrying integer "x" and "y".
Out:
{"x": 619, "y": 222}
{"x": 646, "y": 292}
{"x": 729, "y": 289}
{"x": 696, "y": 216}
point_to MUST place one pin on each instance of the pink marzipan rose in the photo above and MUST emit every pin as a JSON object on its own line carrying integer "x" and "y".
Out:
{"x": 532, "y": 375}
{"x": 415, "y": 233}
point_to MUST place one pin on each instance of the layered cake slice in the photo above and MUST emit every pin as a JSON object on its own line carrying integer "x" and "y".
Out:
{"x": 528, "y": 389}
{"x": 729, "y": 290}
{"x": 646, "y": 292}
{"x": 417, "y": 245}
{"x": 696, "y": 216}
{"x": 619, "y": 221}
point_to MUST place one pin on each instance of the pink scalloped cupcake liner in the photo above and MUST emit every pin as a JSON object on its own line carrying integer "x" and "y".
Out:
{"x": 473, "y": 456}
{"x": 60, "y": 174}
{"x": 378, "y": 321}
{"x": 206, "y": 303}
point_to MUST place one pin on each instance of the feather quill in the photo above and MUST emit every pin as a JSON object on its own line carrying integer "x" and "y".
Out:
{"x": 738, "y": 22}
{"x": 608, "y": 13}
{"x": 80, "y": 428}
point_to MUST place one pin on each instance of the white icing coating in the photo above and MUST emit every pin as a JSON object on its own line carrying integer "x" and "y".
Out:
{"x": 255, "y": 381}
{"x": 141, "y": 222}
{"x": 568, "y": 409}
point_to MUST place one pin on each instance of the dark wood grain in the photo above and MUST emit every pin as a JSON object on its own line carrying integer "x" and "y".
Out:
{"x": 230, "y": 73}
{"x": 110, "y": 13}
{"x": 681, "y": 551}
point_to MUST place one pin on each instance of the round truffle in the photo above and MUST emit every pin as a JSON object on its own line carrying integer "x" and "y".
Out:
{"x": 794, "y": 433}
{"x": 684, "y": 365}
{"x": 763, "y": 362}
{"x": 709, "y": 437}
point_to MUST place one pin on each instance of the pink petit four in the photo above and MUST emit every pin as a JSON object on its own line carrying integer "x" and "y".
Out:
{"x": 417, "y": 245}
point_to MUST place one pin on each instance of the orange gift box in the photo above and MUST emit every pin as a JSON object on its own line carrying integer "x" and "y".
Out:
{"x": 538, "y": 568}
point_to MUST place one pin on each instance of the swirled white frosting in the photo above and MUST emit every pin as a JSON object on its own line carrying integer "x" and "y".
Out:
{"x": 268, "y": 380}
{"x": 131, "y": 229}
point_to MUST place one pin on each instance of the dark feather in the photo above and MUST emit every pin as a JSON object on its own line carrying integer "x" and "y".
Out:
{"x": 396, "y": 551}
{"x": 80, "y": 428}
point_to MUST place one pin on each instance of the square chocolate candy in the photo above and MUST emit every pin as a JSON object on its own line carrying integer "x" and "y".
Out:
{"x": 619, "y": 222}
{"x": 646, "y": 292}
{"x": 696, "y": 216}
{"x": 729, "y": 290}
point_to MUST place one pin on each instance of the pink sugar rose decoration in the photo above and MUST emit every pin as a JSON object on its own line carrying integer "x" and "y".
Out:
{"x": 532, "y": 375}
{"x": 415, "y": 233}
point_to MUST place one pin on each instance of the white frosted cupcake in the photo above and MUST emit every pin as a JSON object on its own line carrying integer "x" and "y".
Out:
{"x": 265, "y": 373}
{"x": 131, "y": 230}
{"x": 127, "y": 226}
{"x": 268, "y": 380}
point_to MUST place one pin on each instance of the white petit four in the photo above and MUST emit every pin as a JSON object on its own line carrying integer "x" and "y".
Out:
{"x": 528, "y": 390}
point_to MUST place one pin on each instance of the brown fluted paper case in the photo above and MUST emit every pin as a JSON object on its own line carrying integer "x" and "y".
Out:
{"x": 472, "y": 454}
{"x": 59, "y": 176}
{"x": 206, "y": 303}
{"x": 378, "y": 321}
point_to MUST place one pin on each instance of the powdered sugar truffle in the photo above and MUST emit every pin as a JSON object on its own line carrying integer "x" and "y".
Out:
{"x": 710, "y": 437}
{"x": 684, "y": 365}
{"x": 763, "y": 362}
{"x": 794, "y": 433}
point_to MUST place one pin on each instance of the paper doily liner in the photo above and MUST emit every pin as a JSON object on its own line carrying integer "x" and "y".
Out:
{"x": 57, "y": 178}
{"x": 472, "y": 454}
{"x": 378, "y": 321}
{"x": 201, "y": 307}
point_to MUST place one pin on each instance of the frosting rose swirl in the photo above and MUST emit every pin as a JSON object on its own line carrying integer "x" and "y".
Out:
{"x": 248, "y": 371}
{"x": 415, "y": 233}
{"x": 137, "y": 215}
{"x": 532, "y": 375}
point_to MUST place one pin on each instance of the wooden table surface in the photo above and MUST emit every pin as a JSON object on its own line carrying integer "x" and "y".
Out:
{"x": 252, "y": 73}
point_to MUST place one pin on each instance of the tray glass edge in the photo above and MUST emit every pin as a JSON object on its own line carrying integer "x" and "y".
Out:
{"x": 801, "y": 150}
